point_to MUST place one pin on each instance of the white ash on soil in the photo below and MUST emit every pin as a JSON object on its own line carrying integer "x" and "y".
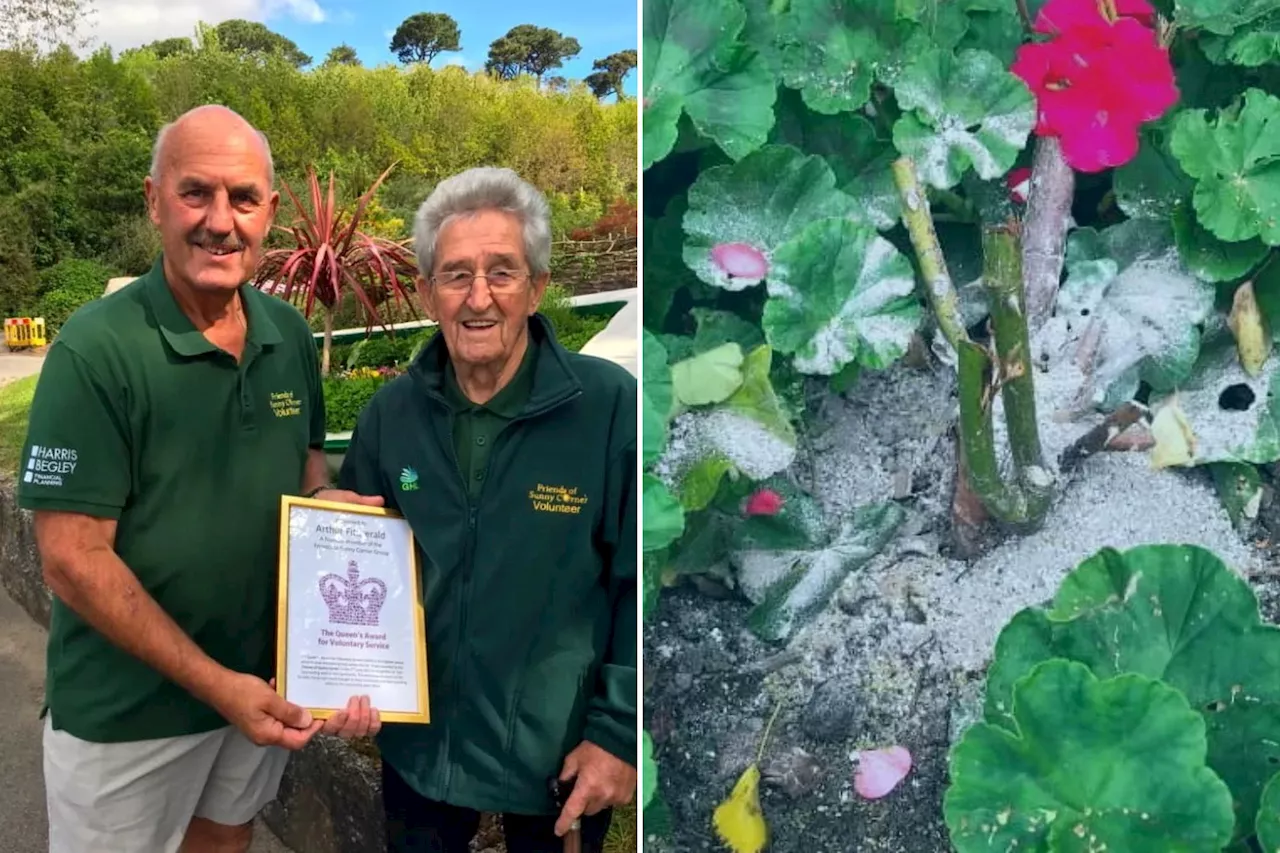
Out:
{"x": 897, "y": 655}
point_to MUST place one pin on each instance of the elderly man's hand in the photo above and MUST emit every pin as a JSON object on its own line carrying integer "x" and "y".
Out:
{"x": 603, "y": 780}
{"x": 358, "y": 719}
{"x": 343, "y": 496}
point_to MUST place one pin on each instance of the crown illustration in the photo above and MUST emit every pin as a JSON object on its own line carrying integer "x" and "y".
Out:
{"x": 352, "y": 601}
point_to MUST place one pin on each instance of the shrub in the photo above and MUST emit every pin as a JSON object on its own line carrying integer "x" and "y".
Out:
{"x": 346, "y": 396}
{"x": 66, "y": 286}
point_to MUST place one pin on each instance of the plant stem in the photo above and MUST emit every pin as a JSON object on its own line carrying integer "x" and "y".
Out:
{"x": 1044, "y": 232}
{"x": 1024, "y": 500}
{"x": 1002, "y": 277}
{"x": 765, "y": 739}
{"x": 328, "y": 342}
{"x": 939, "y": 289}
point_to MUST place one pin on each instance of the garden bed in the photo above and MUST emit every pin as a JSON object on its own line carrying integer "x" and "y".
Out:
{"x": 898, "y": 653}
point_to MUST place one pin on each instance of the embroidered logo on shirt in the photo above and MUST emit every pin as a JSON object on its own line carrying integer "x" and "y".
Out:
{"x": 46, "y": 466}
{"x": 408, "y": 480}
{"x": 285, "y": 405}
{"x": 561, "y": 499}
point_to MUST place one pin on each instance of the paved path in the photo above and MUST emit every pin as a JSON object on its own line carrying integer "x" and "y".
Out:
{"x": 15, "y": 365}
{"x": 22, "y": 811}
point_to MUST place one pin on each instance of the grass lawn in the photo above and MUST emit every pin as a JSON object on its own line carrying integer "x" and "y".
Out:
{"x": 15, "y": 404}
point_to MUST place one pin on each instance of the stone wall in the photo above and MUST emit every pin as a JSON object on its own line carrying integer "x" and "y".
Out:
{"x": 331, "y": 797}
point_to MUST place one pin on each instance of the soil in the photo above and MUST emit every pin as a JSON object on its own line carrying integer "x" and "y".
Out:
{"x": 898, "y": 654}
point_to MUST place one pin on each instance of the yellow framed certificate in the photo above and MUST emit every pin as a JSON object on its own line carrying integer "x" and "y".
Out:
{"x": 351, "y": 620}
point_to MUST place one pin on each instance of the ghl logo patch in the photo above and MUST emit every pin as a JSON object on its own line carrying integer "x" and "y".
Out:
{"x": 46, "y": 466}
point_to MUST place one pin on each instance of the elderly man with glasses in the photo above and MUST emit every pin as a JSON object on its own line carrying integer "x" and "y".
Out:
{"x": 514, "y": 461}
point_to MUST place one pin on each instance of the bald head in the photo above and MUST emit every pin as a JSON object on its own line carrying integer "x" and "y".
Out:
{"x": 211, "y": 124}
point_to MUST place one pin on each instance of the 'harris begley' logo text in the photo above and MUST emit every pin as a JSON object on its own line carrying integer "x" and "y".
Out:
{"x": 556, "y": 499}
{"x": 46, "y": 466}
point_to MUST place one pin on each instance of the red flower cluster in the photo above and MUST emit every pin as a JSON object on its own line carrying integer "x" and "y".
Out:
{"x": 1100, "y": 75}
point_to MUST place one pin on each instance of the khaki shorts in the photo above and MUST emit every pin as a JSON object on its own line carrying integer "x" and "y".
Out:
{"x": 138, "y": 797}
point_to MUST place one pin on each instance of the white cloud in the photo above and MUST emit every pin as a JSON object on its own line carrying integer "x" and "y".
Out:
{"x": 124, "y": 24}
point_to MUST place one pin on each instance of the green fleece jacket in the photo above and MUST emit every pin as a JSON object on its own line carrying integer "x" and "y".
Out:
{"x": 529, "y": 588}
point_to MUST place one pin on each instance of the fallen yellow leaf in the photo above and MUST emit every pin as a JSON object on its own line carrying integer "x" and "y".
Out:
{"x": 1175, "y": 442}
{"x": 1249, "y": 326}
{"x": 738, "y": 820}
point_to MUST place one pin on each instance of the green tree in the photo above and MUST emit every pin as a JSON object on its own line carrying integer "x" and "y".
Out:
{"x": 164, "y": 48}
{"x": 533, "y": 50}
{"x": 608, "y": 73}
{"x": 253, "y": 38}
{"x": 343, "y": 54}
{"x": 424, "y": 36}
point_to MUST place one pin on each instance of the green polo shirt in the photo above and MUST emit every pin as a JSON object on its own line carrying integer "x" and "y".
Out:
{"x": 476, "y": 425}
{"x": 138, "y": 418}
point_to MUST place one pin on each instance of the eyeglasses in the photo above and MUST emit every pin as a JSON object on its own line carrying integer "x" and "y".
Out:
{"x": 499, "y": 281}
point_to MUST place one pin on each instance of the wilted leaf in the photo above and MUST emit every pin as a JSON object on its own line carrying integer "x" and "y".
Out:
{"x": 709, "y": 377}
{"x": 1175, "y": 443}
{"x": 840, "y": 292}
{"x": 1170, "y": 612}
{"x": 738, "y": 821}
{"x": 791, "y": 585}
{"x": 1128, "y": 291}
{"x": 1239, "y": 488}
{"x": 1249, "y": 326}
{"x": 1084, "y": 764}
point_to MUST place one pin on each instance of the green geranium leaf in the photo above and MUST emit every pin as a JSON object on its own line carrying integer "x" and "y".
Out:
{"x": 722, "y": 327}
{"x": 662, "y": 514}
{"x": 1236, "y": 163}
{"x": 790, "y": 586}
{"x": 1152, "y": 184}
{"x": 840, "y": 292}
{"x": 1240, "y": 490}
{"x": 649, "y": 778}
{"x": 708, "y": 377}
{"x": 832, "y": 50}
{"x": 1220, "y": 16}
{"x": 739, "y": 214}
{"x": 961, "y": 110}
{"x": 694, "y": 65}
{"x": 1232, "y": 416}
{"x": 1129, "y": 283}
{"x": 1169, "y": 612}
{"x": 1268, "y": 825}
{"x": 1253, "y": 46}
{"x": 998, "y": 31}
{"x": 656, "y": 388}
{"x": 1208, "y": 258}
{"x": 1087, "y": 764}
{"x": 860, "y": 160}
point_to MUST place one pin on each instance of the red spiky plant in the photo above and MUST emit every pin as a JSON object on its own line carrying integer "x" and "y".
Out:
{"x": 333, "y": 256}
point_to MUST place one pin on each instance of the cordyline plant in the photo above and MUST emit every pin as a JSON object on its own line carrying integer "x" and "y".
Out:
{"x": 333, "y": 257}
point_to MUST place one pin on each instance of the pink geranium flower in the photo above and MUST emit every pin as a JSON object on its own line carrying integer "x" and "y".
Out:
{"x": 1101, "y": 75}
{"x": 763, "y": 502}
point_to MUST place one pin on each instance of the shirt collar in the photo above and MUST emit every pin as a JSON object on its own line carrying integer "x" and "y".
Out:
{"x": 509, "y": 400}
{"x": 182, "y": 334}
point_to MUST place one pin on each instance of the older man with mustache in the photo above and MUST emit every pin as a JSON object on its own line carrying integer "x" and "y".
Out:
{"x": 155, "y": 463}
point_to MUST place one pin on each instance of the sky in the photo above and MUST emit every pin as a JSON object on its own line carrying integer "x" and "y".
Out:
{"x": 602, "y": 27}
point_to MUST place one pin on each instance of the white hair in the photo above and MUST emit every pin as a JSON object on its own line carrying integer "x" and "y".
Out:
{"x": 485, "y": 188}
{"x": 158, "y": 146}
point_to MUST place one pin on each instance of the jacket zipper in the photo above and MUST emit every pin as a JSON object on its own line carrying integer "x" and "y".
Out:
{"x": 469, "y": 552}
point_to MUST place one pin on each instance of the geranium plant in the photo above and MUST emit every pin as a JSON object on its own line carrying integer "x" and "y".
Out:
{"x": 333, "y": 257}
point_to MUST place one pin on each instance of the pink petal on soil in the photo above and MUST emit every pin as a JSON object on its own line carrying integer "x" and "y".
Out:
{"x": 880, "y": 771}
{"x": 740, "y": 260}
{"x": 763, "y": 502}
